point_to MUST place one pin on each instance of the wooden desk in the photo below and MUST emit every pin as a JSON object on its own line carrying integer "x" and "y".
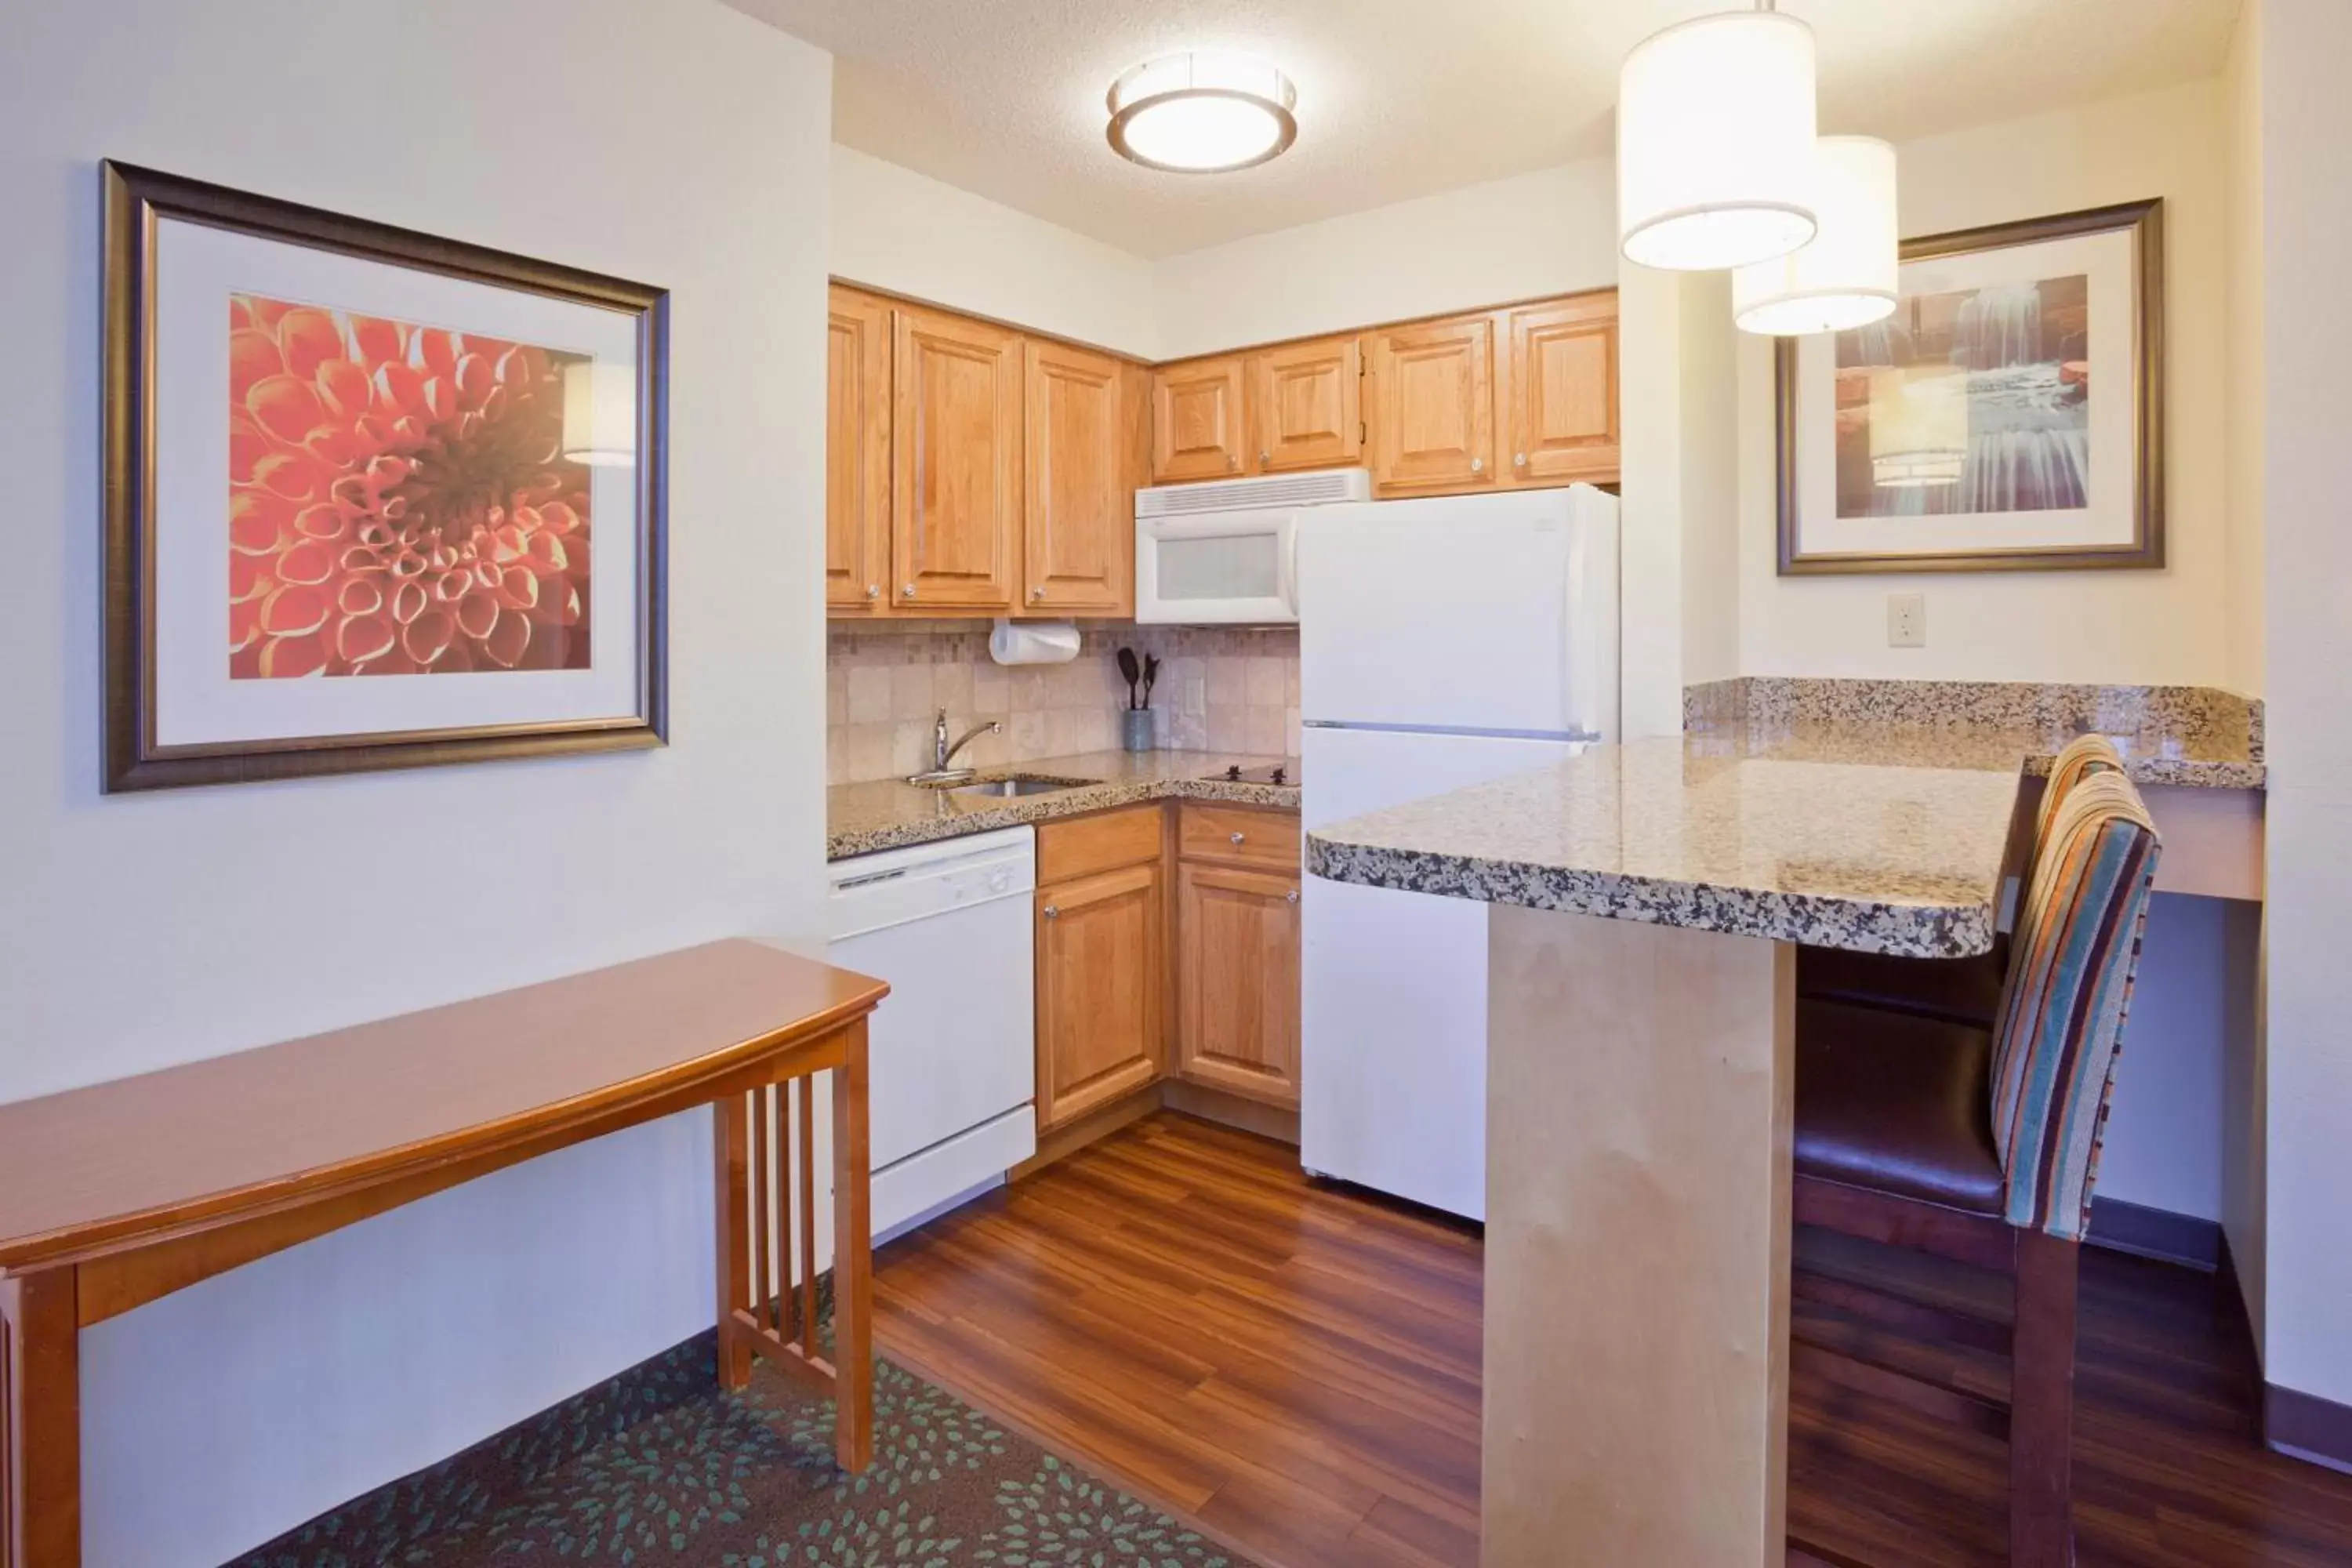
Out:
{"x": 113, "y": 1195}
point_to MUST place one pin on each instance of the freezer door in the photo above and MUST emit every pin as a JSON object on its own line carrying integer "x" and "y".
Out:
{"x": 1393, "y": 1026}
{"x": 1492, "y": 614}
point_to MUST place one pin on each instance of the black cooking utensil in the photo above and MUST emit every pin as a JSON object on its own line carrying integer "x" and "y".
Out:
{"x": 1127, "y": 667}
{"x": 1150, "y": 676}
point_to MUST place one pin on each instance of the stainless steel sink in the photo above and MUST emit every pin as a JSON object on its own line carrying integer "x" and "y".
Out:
{"x": 1019, "y": 785}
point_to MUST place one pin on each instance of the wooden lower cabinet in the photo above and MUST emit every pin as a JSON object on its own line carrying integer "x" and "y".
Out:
{"x": 1237, "y": 980}
{"x": 1101, "y": 951}
{"x": 1199, "y": 898}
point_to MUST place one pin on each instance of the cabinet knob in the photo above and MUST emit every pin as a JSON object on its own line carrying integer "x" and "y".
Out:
{"x": 1036, "y": 593}
{"x": 1051, "y": 913}
{"x": 907, "y": 591}
{"x": 1239, "y": 837}
{"x": 1264, "y": 458}
{"x": 1233, "y": 459}
{"x": 1291, "y": 897}
{"x": 1520, "y": 461}
{"x": 1477, "y": 465}
{"x": 873, "y": 590}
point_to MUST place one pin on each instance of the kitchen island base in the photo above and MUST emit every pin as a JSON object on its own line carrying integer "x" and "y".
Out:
{"x": 1640, "y": 1101}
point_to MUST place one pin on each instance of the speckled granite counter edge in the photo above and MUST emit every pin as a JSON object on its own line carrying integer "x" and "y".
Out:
{"x": 1075, "y": 802}
{"x": 1908, "y": 930}
{"x": 2192, "y": 714}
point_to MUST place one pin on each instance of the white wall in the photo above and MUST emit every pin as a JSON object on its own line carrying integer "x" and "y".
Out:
{"x": 673, "y": 142}
{"x": 2169, "y": 625}
{"x": 2306, "y": 217}
{"x": 1710, "y": 480}
{"x": 2245, "y": 1107}
{"x": 1550, "y": 231}
{"x": 908, "y": 233}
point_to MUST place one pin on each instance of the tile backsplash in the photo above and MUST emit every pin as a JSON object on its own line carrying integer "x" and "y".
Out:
{"x": 1220, "y": 690}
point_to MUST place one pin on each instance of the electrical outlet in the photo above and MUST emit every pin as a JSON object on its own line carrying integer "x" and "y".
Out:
{"x": 1907, "y": 620}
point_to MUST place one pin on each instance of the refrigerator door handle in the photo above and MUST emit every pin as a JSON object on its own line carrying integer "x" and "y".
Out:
{"x": 1289, "y": 566}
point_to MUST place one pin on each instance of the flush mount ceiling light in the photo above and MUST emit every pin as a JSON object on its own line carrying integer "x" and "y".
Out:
{"x": 1714, "y": 142}
{"x": 1846, "y": 277}
{"x": 1203, "y": 113}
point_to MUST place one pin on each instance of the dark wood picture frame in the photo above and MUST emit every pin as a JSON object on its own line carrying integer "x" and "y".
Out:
{"x": 134, "y": 200}
{"x": 2145, "y": 221}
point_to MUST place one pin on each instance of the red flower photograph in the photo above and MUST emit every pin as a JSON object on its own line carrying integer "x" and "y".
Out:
{"x": 399, "y": 502}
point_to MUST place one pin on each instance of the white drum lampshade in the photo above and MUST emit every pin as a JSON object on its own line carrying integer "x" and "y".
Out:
{"x": 600, "y": 413}
{"x": 1918, "y": 426}
{"x": 1714, "y": 142}
{"x": 1846, "y": 276}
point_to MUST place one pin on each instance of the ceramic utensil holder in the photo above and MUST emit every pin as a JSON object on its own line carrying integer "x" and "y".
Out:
{"x": 1135, "y": 729}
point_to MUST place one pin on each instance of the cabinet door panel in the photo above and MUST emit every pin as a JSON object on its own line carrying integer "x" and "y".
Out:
{"x": 1237, "y": 1008}
{"x": 956, "y": 486}
{"x": 1559, "y": 391}
{"x": 1432, "y": 388}
{"x": 1197, "y": 425}
{"x": 1079, "y": 526}
{"x": 1306, "y": 404}
{"x": 1100, "y": 956}
{"x": 857, "y": 454}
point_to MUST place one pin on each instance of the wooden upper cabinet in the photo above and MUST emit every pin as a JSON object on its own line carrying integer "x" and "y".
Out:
{"x": 1430, "y": 401}
{"x": 1101, "y": 954}
{"x": 1079, "y": 527}
{"x": 1198, "y": 427}
{"x": 956, "y": 490}
{"x": 1306, "y": 404}
{"x": 1237, "y": 980}
{"x": 857, "y": 454}
{"x": 1559, "y": 391}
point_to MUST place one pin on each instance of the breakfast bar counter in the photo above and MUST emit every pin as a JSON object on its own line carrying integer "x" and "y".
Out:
{"x": 1648, "y": 900}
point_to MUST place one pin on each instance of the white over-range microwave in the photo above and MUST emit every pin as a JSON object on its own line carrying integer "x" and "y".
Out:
{"x": 1225, "y": 553}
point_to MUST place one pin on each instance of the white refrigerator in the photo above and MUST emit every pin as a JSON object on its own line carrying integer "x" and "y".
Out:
{"x": 1443, "y": 643}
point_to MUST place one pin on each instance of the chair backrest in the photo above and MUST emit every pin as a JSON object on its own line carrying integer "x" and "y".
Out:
{"x": 2082, "y": 756}
{"x": 2069, "y": 987}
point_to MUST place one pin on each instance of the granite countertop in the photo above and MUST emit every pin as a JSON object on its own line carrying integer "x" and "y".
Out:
{"x": 861, "y": 818}
{"x": 2191, "y": 737}
{"x": 1823, "y": 841}
{"x": 2152, "y": 756}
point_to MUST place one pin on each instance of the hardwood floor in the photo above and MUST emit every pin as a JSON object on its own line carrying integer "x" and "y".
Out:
{"x": 1294, "y": 1368}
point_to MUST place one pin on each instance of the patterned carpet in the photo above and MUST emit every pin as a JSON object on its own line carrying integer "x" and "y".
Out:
{"x": 657, "y": 1467}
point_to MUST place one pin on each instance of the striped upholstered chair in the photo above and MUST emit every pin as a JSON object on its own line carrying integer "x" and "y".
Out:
{"x": 1965, "y": 990}
{"x": 1983, "y": 1146}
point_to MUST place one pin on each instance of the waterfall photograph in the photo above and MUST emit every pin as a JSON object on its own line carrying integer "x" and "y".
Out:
{"x": 1968, "y": 401}
{"x": 2006, "y": 415}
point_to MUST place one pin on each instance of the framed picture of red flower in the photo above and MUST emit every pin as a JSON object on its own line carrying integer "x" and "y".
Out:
{"x": 373, "y": 498}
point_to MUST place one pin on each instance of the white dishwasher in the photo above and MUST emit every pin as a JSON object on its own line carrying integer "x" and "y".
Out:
{"x": 954, "y": 1073}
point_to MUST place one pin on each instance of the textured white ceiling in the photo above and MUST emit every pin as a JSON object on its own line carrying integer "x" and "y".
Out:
{"x": 1403, "y": 98}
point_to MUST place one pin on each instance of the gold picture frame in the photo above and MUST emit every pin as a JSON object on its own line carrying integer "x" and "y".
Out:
{"x": 1799, "y": 429}
{"x": 137, "y": 204}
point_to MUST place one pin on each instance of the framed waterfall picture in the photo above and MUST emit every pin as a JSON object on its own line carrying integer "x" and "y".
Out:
{"x": 2007, "y": 416}
{"x": 373, "y": 499}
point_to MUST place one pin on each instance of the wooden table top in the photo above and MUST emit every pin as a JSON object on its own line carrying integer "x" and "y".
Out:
{"x": 253, "y": 1131}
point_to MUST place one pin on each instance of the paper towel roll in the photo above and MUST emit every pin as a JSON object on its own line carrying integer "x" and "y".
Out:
{"x": 1031, "y": 642}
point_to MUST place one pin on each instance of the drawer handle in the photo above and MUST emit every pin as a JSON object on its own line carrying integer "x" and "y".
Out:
{"x": 1291, "y": 897}
{"x": 1239, "y": 837}
{"x": 1051, "y": 913}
